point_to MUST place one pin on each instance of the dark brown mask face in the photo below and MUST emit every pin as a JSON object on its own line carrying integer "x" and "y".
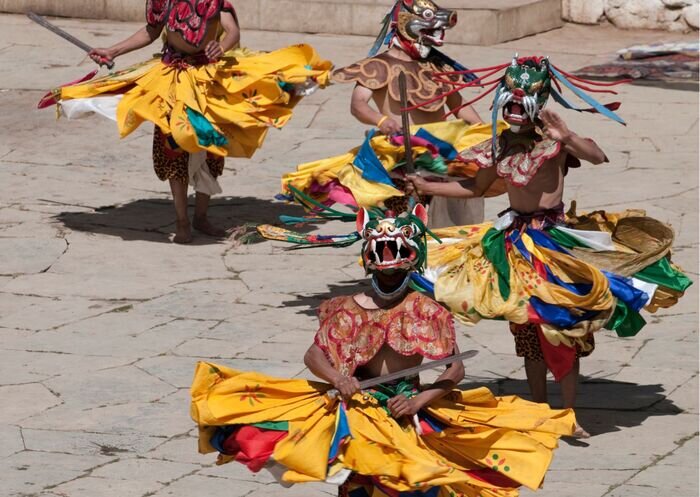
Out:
{"x": 423, "y": 23}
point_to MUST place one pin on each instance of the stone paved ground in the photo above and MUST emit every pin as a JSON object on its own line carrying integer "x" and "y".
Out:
{"x": 102, "y": 319}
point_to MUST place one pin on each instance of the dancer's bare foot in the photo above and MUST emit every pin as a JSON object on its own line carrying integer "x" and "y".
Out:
{"x": 579, "y": 432}
{"x": 203, "y": 225}
{"x": 183, "y": 233}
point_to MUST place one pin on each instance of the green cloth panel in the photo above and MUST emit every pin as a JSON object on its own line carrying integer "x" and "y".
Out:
{"x": 494, "y": 245}
{"x": 273, "y": 425}
{"x": 207, "y": 135}
{"x": 625, "y": 321}
{"x": 383, "y": 393}
{"x": 663, "y": 274}
{"x": 428, "y": 162}
{"x": 564, "y": 239}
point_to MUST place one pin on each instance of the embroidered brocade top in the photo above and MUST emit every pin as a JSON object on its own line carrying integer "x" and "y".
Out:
{"x": 189, "y": 18}
{"x": 382, "y": 71}
{"x": 351, "y": 335}
{"x": 519, "y": 156}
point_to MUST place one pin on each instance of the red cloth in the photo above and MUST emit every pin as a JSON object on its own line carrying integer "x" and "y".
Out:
{"x": 252, "y": 446}
{"x": 50, "y": 99}
{"x": 188, "y": 17}
{"x": 559, "y": 359}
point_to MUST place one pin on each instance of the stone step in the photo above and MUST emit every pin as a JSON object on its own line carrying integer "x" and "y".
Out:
{"x": 481, "y": 22}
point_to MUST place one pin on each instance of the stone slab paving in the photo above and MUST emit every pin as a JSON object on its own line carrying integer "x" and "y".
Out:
{"x": 102, "y": 319}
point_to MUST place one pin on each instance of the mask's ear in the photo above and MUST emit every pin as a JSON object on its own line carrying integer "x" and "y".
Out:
{"x": 420, "y": 212}
{"x": 362, "y": 220}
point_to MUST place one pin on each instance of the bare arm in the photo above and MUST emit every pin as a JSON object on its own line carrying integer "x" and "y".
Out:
{"x": 318, "y": 364}
{"x": 468, "y": 113}
{"x": 215, "y": 49}
{"x": 402, "y": 406}
{"x": 363, "y": 112}
{"x": 582, "y": 148}
{"x": 471, "y": 188}
{"x": 232, "y": 30}
{"x": 143, "y": 37}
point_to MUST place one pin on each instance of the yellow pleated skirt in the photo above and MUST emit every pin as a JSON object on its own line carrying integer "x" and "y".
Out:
{"x": 488, "y": 445}
{"x": 240, "y": 96}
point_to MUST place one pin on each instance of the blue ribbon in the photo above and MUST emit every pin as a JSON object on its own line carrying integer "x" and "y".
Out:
{"x": 600, "y": 108}
{"x": 368, "y": 162}
{"x": 445, "y": 149}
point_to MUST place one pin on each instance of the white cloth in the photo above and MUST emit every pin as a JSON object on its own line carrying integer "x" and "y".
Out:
{"x": 648, "y": 288}
{"x": 80, "y": 107}
{"x": 201, "y": 178}
{"x": 597, "y": 240}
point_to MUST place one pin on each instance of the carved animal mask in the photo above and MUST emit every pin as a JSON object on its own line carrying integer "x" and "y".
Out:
{"x": 420, "y": 25}
{"x": 527, "y": 85}
{"x": 394, "y": 243}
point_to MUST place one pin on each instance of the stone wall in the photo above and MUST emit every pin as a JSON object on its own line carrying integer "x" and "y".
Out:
{"x": 670, "y": 15}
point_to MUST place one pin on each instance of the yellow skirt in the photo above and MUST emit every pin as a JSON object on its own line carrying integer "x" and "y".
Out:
{"x": 478, "y": 444}
{"x": 224, "y": 107}
{"x": 323, "y": 178}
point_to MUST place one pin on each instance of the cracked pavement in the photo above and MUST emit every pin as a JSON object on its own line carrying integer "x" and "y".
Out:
{"x": 102, "y": 319}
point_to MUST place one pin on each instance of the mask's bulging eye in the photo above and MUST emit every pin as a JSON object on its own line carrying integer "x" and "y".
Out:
{"x": 367, "y": 233}
{"x": 428, "y": 14}
{"x": 407, "y": 231}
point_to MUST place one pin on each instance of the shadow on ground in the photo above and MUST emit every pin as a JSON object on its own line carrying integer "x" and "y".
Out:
{"x": 154, "y": 219}
{"x": 310, "y": 302}
{"x": 603, "y": 406}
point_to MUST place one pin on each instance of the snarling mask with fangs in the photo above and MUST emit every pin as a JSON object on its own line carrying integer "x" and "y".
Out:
{"x": 527, "y": 84}
{"x": 394, "y": 243}
{"x": 420, "y": 25}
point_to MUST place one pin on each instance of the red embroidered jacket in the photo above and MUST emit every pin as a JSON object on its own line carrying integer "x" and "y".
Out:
{"x": 351, "y": 335}
{"x": 189, "y": 18}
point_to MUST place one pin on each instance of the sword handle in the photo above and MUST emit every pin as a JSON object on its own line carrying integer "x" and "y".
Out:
{"x": 406, "y": 124}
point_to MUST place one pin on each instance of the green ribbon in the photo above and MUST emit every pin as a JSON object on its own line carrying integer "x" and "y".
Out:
{"x": 662, "y": 273}
{"x": 273, "y": 425}
{"x": 564, "y": 239}
{"x": 625, "y": 321}
{"x": 494, "y": 246}
{"x": 383, "y": 393}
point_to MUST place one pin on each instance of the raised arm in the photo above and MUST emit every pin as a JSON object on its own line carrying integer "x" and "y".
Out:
{"x": 318, "y": 364}
{"x": 468, "y": 114}
{"x": 363, "y": 112}
{"x": 470, "y": 188}
{"x": 582, "y": 148}
{"x": 143, "y": 37}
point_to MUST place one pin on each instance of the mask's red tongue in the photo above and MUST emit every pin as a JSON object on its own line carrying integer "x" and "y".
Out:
{"x": 516, "y": 108}
{"x": 387, "y": 254}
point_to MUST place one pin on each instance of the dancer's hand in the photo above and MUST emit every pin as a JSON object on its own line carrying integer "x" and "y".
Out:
{"x": 389, "y": 127}
{"x": 403, "y": 406}
{"x": 554, "y": 126}
{"x": 347, "y": 386}
{"x": 213, "y": 50}
{"x": 102, "y": 56}
{"x": 416, "y": 184}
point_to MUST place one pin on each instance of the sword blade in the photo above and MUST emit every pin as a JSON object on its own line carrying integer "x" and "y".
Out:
{"x": 406, "y": 124}
{"x": 405, "y": 373}
{"x": 63, "y": 34}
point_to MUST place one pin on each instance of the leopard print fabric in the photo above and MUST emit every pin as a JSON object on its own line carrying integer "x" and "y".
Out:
{"x": 527, "y": 342}
{"x": 401, "y": 204}
{"x": 171, "y": 162}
